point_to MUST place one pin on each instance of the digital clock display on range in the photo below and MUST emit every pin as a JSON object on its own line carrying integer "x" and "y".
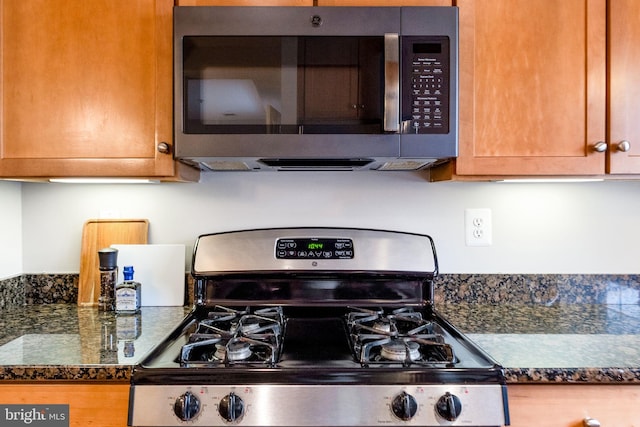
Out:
{"x": 314, "y": 248}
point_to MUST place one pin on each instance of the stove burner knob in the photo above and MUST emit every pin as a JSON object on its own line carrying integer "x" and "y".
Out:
{"x": 187, "y": 406}
{"x": 404, "y": 406}
{"x": 449, "y": 406}
{"x": 231, "y": 407}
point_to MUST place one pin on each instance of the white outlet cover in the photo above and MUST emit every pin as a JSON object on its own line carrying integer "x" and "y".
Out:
{"x": 478, "y": 229}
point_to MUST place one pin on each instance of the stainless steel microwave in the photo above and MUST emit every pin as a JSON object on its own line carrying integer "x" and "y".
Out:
{"x": 315, "y": 88}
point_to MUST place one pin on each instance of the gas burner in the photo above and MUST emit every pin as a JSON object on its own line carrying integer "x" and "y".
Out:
{"x": 401, "y": 336}
{"x": 229, "y": 336}
{"x": 238, "y": 350}
{"x": 383, "y": 325}
{"x": 399, "y": 350}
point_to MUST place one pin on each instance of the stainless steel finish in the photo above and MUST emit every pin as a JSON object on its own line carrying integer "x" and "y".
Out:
{"x": 239, "y": 21}
{"x": 624, "y": 146}
{"x": 600, "y": 147}
{"x": 320, "y": 405}
{"x": 199, "y": 149}
{"x": 318, "y": 380}
{"x": 391, "y": 82}
{"x": 374, "y": 250}
{"x": 590, "y": 422}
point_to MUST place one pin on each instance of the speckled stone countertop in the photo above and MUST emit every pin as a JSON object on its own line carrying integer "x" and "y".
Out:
{"x": 587, "y": 343}
{"x": 67, "y": 342}
{"x": 567, "y": 343}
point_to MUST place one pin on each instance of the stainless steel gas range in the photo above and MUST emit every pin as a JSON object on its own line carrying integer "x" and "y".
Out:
{"x": 316, "y": 327}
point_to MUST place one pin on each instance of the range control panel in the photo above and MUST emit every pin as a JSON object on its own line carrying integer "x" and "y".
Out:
{"x": 273, "y": 405}
{"x": 314, "y": 248}
{"x": 426, "y": 83}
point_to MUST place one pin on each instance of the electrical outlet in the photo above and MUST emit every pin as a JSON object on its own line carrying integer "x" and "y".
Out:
{"x": 477, "y": 227}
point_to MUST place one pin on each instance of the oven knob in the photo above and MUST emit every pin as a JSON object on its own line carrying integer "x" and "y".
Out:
{"x": 449, "y": 406}
{"x": 187, "y": 406}
{"x": 404, "y": 406}
{"x": 231, "y": 407}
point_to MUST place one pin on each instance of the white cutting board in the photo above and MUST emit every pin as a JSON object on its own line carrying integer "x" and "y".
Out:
{"x": 160, "y": 269}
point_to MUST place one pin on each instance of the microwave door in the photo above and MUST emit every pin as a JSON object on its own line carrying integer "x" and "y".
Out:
{"x": 391, "y": 118}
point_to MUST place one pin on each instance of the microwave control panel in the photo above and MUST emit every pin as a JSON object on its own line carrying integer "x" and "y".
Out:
{"x": 425, "y": 84}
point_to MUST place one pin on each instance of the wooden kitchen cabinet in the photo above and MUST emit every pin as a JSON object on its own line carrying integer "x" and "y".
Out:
{"x": 532, "y": 87}
{"x": 538, "y": 103}
{"x": 624, "y": 87}
{"x": 314, "y": 3}
{"x": 99, "y": 405}
{"x": 86, "y": 88}
{"x": 385, "y": 2}
{"x": 560, "y": 405}
{"x": 244, "y": 2}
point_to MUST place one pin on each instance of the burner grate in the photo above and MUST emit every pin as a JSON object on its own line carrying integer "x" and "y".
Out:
{"x": 229, "y": 336}
{"x": 400, "y": 337}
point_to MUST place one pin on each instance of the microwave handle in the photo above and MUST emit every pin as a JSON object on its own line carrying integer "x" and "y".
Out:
{"x": 391, "y": 82}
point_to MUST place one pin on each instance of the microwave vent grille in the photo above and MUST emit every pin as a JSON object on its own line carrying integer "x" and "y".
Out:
{"x": 406, "y": 165}
{"x": 225, "y": 165}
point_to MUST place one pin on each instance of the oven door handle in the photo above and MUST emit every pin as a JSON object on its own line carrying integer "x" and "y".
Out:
{"x": 391, "y": 82}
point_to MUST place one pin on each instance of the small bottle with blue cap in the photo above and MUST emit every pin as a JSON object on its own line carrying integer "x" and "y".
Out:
{"x": 128, "y": 293}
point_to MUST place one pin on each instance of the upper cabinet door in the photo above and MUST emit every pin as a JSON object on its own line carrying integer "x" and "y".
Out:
{"x": 384, "y": 2}
{"x": 86, "y": 88}
{"x": 532, "y": 87}
{"x": 624, "y": 87}
{"x": 244, "y": 2}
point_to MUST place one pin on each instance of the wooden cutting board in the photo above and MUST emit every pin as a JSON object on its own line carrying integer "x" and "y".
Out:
{"x": 98, "y": 234}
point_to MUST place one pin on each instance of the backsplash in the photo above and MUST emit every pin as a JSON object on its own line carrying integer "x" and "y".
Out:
{"x": 31, "y": 289}
{"x": 544, "y": 289}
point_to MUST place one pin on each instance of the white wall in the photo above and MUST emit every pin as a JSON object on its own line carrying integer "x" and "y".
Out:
{"x": 10, "y": 229}
{"x": 537, "y": 228}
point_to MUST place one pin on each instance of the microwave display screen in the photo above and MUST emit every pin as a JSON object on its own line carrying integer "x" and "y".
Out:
{"x": 427, "y": 48}
{"x": 283, "y": 84}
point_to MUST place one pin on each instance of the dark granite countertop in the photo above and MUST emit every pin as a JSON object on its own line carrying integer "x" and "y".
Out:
{"x": 586, "y": 343}
{"x": 67, "y": 342}
{"x": 567, "y": 343}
